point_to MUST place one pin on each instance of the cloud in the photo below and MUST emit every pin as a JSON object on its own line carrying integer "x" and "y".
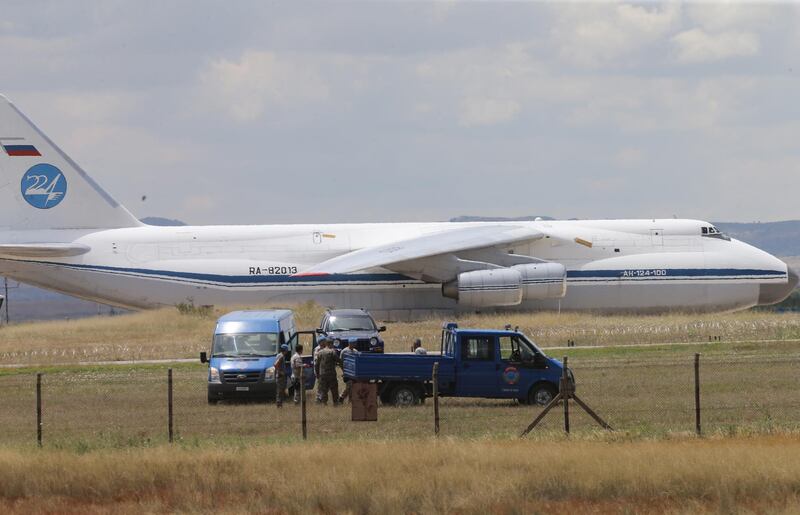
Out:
{"x": 199, "y": 203}
{"x": 698, "y": 46}
{"x": 596, "y": 35}
{"x": 722, "y": 16}
{"x": 95, "y": 106}
{"x": 260, "y": 80}
{"x": 487, "y": 111}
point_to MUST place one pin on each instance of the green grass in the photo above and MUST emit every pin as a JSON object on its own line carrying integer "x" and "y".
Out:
{"x": 648, "y": 392}
{"x": 749, "y": 382}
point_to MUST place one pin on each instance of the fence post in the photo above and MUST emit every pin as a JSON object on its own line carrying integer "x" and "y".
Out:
{"x": 169, "y": 404}
{"x": 435, "y": 379}
{"x": 302, "y": 386}
{"x": 697, "y": 394}
{"x": 564, "y": 380}
{"x": 39, "y": 409}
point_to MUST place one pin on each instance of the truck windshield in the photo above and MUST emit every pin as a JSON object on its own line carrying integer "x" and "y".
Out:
{"x": 245, "y": 344}
{"x": 350, "y": 323}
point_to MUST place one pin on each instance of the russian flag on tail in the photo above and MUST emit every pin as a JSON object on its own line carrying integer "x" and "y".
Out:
{"x": 21, "y": 150}
{"x": 18, "y": 147}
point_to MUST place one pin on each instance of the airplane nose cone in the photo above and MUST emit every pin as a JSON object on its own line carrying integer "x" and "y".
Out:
{"x": 774, "y": 293}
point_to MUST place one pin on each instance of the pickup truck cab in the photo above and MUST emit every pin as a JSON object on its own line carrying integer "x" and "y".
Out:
{"x": 243, "y": 352}
{"x": 472, "y": 363}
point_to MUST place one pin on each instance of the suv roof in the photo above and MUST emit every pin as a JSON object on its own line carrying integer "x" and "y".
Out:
{"x": 358, "y": 311}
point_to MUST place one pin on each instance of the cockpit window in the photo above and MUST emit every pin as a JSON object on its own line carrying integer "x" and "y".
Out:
{"x": 713, "y": 232}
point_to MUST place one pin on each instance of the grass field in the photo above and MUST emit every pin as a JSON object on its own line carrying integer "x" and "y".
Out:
{"x": 166, "y": 334}
{"x": 594, "y": 474}
{"x": 105, "y": 427}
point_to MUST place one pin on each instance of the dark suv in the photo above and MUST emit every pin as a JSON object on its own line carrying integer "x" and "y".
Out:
{"x": 343, "y": 325}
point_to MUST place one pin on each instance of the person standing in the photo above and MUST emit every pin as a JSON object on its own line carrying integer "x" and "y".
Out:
{"x": 297, "y": 365}
{"x": 328, "y": 382}
{"x": 321, "y": 344}
{"x": 280, "y": 375}
{"x": 350, "y": 349}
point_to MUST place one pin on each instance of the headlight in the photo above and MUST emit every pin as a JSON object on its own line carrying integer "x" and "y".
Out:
{"x": 337, "y": 342}
{"x": 269, "y": 374}
{"x": 373, "y": 341}
{"x": 213, "y": 375}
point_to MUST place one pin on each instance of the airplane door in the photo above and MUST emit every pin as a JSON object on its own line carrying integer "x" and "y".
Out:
{"x": 657, "y": 236}
{"x": 477, "y": 367}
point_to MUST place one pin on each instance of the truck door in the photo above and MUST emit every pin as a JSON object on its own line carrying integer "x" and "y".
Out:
{"x": 512, "y": 366}
{"x": 477, "y": 366}
{"x": 308, "y": 339}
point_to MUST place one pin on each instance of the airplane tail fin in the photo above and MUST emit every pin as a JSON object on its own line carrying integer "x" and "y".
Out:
{"x": 42, "y": 188}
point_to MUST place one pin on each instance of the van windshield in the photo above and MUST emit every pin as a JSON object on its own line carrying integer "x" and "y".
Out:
{"x": 245, "y": 344}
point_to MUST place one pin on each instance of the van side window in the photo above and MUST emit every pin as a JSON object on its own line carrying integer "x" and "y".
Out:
{"x": 477, "y": 348}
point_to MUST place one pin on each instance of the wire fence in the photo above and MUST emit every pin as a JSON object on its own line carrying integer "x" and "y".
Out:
{"x": 115, "y": 406}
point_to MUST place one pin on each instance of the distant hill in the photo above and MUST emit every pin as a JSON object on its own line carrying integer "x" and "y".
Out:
{"x": 467, "y": 218}
{"x": 778, "y": 238}
{"x": 164, "y": 222}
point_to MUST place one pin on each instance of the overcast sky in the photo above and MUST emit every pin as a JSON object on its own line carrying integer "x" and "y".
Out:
{"x": 248, "y": 112}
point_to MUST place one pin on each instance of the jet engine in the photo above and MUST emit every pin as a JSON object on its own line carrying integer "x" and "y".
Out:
{"x": 486, "y": 288}
{"x": 508, "y": 286}
{"x": 542, "y": 280}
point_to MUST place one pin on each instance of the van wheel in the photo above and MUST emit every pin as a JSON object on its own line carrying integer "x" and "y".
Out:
{"x": 404, "y": 396}
{"x": 542, "y": 394}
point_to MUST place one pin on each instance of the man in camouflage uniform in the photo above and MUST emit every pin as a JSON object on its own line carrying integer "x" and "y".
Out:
{"x": 327, "y": 361}
{"x": 280, "y": 375}
{"x": 321, "y": 343}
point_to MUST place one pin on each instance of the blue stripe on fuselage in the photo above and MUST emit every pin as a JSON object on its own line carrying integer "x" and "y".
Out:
{"x": 378, "y": 278}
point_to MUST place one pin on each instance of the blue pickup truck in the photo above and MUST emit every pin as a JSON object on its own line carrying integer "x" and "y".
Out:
{"x": 472, "y": 363}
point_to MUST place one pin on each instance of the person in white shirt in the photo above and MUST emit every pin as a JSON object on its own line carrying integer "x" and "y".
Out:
{"x": 418, "y": 348}
{"x": 297, "y": 364}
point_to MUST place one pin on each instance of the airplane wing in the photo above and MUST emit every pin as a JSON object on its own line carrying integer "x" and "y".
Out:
{"x": 435, "y": 251}
{"x": 26, "y": 250}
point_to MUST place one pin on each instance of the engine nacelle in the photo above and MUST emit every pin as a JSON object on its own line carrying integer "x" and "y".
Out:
{"x": 486, "y": 288}
{"x": 542, "y": 280}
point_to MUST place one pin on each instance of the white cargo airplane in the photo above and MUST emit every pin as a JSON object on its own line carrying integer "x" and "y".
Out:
{"x": 61, "y": 231}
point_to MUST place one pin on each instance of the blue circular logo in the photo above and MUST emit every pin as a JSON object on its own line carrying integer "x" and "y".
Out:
{"x": 511, "y": 375}
{"x": 44, "y": 186}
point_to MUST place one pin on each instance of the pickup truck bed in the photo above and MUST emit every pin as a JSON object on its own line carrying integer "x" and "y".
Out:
{"x": 399, "y": 367}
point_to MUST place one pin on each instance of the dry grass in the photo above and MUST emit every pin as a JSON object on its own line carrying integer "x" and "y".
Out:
{"x": 165, "y": 333}
{"x": 423, "y": 476}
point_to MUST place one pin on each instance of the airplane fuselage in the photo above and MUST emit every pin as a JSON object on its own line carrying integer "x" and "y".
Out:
{"x": 612, "y": 265}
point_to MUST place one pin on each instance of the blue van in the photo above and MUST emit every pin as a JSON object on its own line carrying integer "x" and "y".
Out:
{"x": 243, "y": 353}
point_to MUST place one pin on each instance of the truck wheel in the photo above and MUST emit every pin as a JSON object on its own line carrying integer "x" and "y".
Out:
{"x": 404, "y": 396}
{"x": 386, "y": 398}
{"x": 212, "y": 401}
{"x": 541, "y": 394}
